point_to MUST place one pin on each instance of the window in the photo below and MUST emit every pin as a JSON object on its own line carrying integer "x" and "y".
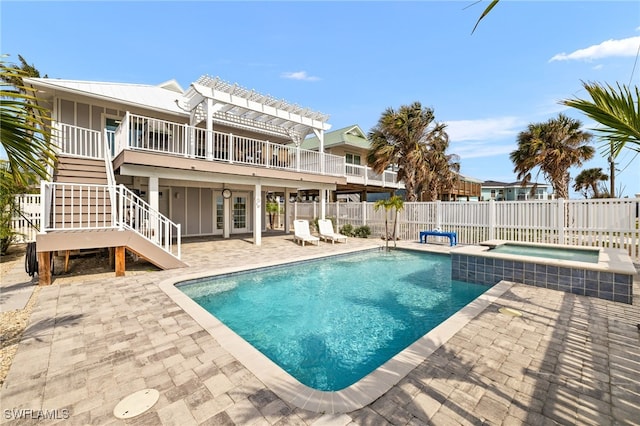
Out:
{"x": 352, "y": 159}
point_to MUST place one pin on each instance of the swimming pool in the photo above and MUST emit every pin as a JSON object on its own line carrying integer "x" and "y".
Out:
{"x": 563, "y": 253}
{"x": 331, "y": 322}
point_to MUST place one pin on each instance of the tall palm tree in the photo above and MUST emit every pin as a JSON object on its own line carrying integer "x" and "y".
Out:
{"x": 552, "y": 148}
{"x": 588, "y": 180}
{"x": 25, "y": 131}
{"x": 440, "y": 172}
{"x": 402, "y": 139}
{"x": 616, "y": 110}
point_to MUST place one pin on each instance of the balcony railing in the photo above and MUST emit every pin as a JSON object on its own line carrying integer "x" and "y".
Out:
{"x": 366, "y": 176}
{"x": 160, "y": 136}
{"x": 150, "y": 134}
{"x": 75, "y": 207}
{"x": 79, "y": 142}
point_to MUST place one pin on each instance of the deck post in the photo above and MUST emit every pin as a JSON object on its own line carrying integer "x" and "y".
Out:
{"x": 120, "y": 261}
{"x": 44, "y": 268}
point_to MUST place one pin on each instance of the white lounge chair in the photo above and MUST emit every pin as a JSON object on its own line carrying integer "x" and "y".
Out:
{"x": 302, "y": 234}
{"x": 327, "y": 233}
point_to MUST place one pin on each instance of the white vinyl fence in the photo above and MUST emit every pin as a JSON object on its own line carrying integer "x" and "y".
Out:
{"x": 597, "y": 223}
{"x": 27, "y": 223}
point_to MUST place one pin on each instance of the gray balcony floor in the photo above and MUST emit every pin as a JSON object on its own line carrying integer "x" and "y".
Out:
{"x": 93, "y": 339}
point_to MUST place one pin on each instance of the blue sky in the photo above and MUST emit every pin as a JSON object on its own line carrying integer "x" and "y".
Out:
{"x": 352, "y": 60}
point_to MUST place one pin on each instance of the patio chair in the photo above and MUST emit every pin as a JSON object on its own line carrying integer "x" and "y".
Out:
{"x": 302, "y": 234}
{"x": 327, "y": 233}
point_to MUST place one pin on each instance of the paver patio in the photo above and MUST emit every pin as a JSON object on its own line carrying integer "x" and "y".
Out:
{"x": 94, "y": 339}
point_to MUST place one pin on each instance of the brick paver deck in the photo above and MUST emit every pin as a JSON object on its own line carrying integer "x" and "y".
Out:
{"x": 94, "y": 339}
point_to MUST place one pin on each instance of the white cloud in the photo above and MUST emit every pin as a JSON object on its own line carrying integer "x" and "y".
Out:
{"x": 485, "y": 137}
{"x": 468, "y": 150}
{"x": 299, "y": 75}
{"x": 623, "y": 47}
{"x": 484, "y": 129}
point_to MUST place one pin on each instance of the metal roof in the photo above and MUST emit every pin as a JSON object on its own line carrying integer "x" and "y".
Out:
{"x": 349, "y": 136}
{"x": 163, "y": 97}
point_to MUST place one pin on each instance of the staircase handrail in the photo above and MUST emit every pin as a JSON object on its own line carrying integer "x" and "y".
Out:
{"x": 111, "y": 178}
{"x": 136, "y": 214}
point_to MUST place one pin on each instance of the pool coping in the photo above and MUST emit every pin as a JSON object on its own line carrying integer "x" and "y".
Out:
{"x": 353, "y": 397}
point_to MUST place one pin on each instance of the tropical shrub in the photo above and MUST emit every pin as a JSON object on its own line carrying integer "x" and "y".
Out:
{"x": 362, "y": 231}
{"x": 347, "y": 229}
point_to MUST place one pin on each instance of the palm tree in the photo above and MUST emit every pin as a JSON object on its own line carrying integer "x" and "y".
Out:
{"x": 588, "y": 180}
{"x": 617, "y": 111}
{"x": 394, "y": 202}
{"x": 25, "y": 131}
{"x": 384, "y": 203}
{"x": 397, "y": 204}
{"x": 441, "y": 169}
{"x": 552, "y": 148}
{"x": 402, "y": 139}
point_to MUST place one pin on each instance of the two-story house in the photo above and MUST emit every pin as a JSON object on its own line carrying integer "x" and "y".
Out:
{"x": 139, "y": 166}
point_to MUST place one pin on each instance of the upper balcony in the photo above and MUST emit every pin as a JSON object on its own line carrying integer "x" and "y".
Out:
{"x": 151, "y": 135}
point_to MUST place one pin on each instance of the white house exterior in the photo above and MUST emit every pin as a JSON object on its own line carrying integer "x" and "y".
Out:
{"x": 194, "y": 162}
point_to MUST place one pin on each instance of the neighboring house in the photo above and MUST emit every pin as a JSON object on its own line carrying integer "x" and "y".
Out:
{"x": 351, "y": 143}
{"x": 194, "y": 162}
{"x": 501, "y": 191}
{"x": 465, "y": 189}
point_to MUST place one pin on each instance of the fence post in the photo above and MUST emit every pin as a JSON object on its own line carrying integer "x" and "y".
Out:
{"x": 337, "y": 214}
{"x": 492, "y": 219}
{"x": 364, "y": 213}
{"x": 438, "y": 214}
{"x": 561, "y": 216}
{"x": 44, "y": 217}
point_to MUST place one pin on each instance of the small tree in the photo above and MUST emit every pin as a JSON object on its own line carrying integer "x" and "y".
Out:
{"x": 395, "y": 202}
{"x": 273, "y": 208}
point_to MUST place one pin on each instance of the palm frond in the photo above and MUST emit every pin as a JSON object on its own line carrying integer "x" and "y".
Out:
{"x": 485, "y": 13}
{"x": 617, "y": 111}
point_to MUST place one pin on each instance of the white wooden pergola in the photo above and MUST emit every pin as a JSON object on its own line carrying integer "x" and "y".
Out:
{"x": 215, "y": 101}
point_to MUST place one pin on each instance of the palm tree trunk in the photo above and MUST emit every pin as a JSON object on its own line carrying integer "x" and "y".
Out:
{"x": 386, "y": 231}
{"x": 395, "y": 226}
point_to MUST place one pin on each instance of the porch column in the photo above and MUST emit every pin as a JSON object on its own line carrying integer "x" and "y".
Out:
{"x": 227, "y": 216}
{"x": 323, "y": 203}
{"x": 320, "y": 135}
{"x": 287, "y": 210}
{"x": 257, "y": 215}
{"x": 154, "y": 202}
{"x": 209, "y": 129}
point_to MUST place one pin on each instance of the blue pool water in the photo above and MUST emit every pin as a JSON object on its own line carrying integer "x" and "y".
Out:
{"x": 332, "y": 321}
{"x": 560, "y": 253}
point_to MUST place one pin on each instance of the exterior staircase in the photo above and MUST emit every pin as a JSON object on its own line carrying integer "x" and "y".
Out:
{"x": 82, "y": 210}
{"x": 85, "y": 202}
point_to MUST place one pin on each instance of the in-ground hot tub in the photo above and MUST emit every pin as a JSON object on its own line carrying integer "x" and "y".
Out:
{"x": 597, "y": 272}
